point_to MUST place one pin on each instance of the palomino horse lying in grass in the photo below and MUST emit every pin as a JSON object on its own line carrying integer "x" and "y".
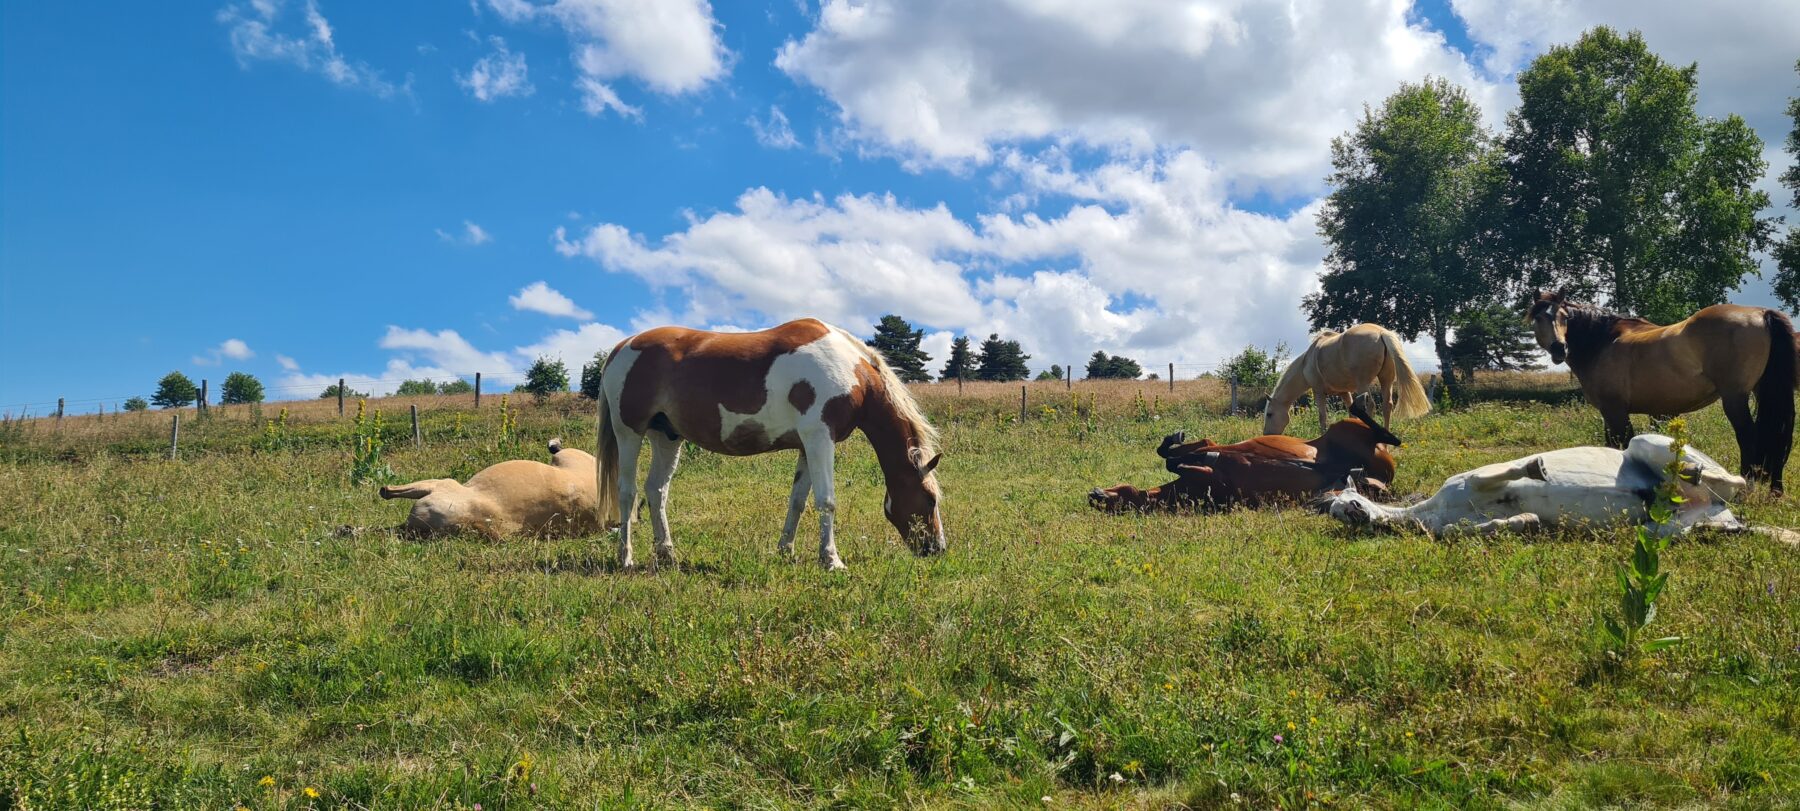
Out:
{"x": 1344, "y": 363}
{"x": 1566, "y": 488}
{"x": 519, "y": 496}
{"x": 1260, "y": 470}
{"x": 1725, "y": 352}
{"x": 801, "y": 386}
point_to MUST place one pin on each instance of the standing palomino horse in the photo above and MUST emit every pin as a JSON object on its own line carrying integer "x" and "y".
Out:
{"x": 801, "y": 386}
{"x": 1724, "y": 352}
{"x": 1343, "y": 363}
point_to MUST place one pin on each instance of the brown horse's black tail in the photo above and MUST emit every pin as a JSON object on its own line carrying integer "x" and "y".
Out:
{"x": 1775, "y": 396}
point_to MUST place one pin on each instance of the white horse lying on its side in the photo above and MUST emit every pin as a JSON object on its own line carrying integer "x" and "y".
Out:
{"x": 1573, "y": 486}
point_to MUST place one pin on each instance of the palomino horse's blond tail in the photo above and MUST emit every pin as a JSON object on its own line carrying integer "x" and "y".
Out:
{"x": 606, "y": 464}
{"x": 1413, "y": 402}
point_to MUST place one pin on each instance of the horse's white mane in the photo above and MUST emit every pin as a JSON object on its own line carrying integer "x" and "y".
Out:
{"x": 898, "y": 395}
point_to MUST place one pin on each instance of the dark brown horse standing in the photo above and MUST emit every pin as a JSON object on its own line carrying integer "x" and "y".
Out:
{"x": 1724, "y": 352}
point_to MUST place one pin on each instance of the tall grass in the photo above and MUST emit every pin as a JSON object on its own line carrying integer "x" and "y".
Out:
{"x": 236, "y": 627}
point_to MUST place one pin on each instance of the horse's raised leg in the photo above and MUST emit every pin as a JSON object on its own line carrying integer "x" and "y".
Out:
{"x": 796, "y": 506}
{"x": 1737, "y": 409}
{"x": 630, "y": 444}
{"x": 820, "y": 452}
{"x": 665, "y": 456}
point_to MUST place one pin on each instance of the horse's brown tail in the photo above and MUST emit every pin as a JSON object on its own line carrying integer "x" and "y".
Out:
{"x": 1775, "y": 396}
{"x": 1413, "y": 401}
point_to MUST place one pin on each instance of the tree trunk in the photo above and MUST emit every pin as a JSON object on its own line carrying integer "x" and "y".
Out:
{"x": 1441, "y": 342}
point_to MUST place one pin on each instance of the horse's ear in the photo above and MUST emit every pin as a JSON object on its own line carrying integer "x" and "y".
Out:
{"x": 925, "y": 469}
{"x": 1561, "y": 295}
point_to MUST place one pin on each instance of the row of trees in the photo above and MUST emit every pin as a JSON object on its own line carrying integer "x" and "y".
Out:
{"x": 176, "y": 390}
{"x": 996, "y": 359}
{"x": 1605, "y": 182}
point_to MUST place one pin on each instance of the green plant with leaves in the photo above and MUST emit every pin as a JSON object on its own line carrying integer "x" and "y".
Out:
{"x": 415, "y": 388}
{"x": 1641, "y": 582}
{"x": 544, "y": 378}
{"x": 174, "y": 391}
{"x": 457, "y": 386}
{"x": 365, "y": 464}
{"x": 240, "y": 387}
{"x": 1255, "y": 367}
{"x": 332, "y": 391}
{"x": 590, "y": 375}
{"x": 1787, "y": 251}
{"x": 1001, "y": 360}
{"x": 275, "y": 434}
{"x": 509, "y": 423}
{"x": 898, "y": 342}
{"x": 137, "y": 404}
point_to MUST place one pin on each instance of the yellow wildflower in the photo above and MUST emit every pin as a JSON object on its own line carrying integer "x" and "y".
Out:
{"x": 310, "y": 792}
{"x": 267, "y": 781}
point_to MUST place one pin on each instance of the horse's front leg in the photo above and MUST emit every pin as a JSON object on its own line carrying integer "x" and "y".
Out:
{"x": 820, "y": 453}
{"x": 665, "y": 455}
{"x": 1319, "y": 396}
{"x": 1618, "y": 428}
{"x": 796, "y": 506}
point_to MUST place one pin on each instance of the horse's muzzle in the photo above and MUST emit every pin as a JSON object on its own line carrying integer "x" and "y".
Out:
{"x": 1558, "y": 352}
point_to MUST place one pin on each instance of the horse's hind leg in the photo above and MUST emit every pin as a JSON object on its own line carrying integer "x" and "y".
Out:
{"x": 1737, "y": 409}
{"x": 665, "y": 455}
{"x": 630, "y": 444}
{"x": 1319, "y": 396}
{"x": 819, "y": 463}
{"x": 796, "y": 506}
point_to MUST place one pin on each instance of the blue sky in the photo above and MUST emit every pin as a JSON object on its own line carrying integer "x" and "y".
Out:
{"x": 214, "y": 187}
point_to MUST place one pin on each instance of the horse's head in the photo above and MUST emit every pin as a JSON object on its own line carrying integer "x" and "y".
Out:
{"x": 912, "y": 505}
{"x": 1275, "y": 416}
{"x": 1549, "y": 318}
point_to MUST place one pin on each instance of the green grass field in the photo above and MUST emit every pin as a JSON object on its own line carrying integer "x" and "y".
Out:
{"x": 200, "y": 634}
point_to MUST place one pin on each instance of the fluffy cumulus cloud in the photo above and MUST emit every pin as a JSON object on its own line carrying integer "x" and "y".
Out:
{"x": 540, "y": 297}
{"x": 573, "y": 347}
{"x": 497, "y": 75}
{"x": 229, "y": 349}
{"x": 669, "y": 46}
{"x": 1146, "y": 257}
{"x": 271, "y": 31}
{"x": 1258, "y": 87}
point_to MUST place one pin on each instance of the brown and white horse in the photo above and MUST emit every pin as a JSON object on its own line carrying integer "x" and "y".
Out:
{"x": 1724, "y": 352}
{"x": 803, "y": 386}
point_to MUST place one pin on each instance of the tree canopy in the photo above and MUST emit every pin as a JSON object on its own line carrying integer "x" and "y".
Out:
{"x": 174, "y": 391}
{"x": 590, "y": 375}
{"x": 1255, "y": 367}
{"x": 331, "y": 391}
{"x": 1112, "y": 367}
{"x": 899, "y": 343}
{"x": 1001, "y": 360}
{"x": 1492, "y": 338}
{"x": 544, "y": 378}
{"x": 240, "y": 387}
{"x": 961, "y": 363}
{"x": 416, "y": 388}
{"x": 1787, "y": 252}
{"x": 457, "y": 386}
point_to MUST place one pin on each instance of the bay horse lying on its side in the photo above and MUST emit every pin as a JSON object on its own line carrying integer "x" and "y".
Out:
{"x": 1724, "y": 352}
{"x": 1261, "y": 470}
{"x": 514, "y": 497}
{"x": 801, "y": 386}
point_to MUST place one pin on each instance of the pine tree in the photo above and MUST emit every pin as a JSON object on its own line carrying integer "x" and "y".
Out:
{"x": 1003, "y": 361}
{"x": 961, "y": 365}
{"x": 1113, "y": 367}
{"x": 1491, "y": 338}
{"x": 590, "y": 375}
{"x": 899, "y": 343}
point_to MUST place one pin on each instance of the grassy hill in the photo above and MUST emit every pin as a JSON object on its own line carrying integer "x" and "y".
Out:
{"x": 206, "y": 632}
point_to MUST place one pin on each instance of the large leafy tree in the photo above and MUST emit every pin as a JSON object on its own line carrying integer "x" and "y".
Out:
{"x": 174, "y": 391}
{"x": 544, "y": 378}
{"x": 899, "y": 343}
{"x": 241, "y": 387}
{"x": 1615, "y": 187}
{"x": 961, "y": 363}
{"x": 1002, "y": 360}
{"x": 415, "y": 388}
{"x": 1491, "y": 338}
{"x": 1409, "y": 216}
{"x": 590, "y": 375}
{"x": 1787, "y": 252}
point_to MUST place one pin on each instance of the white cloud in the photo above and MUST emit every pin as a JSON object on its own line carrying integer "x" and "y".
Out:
{"x": 540, "y": 297}
{"x": 471, "y": 235}
{"x": 1258, "y": 87}
{"x": 573, "y": 347}
{"x": 287, "y": 363}
{"x": 498, "y": 75}
{"x": 446, "y": 350}
{"x": 775, "y": 133}
{"x": 231, "y": 348}
{"x": 257, "y": 36}
{"x": 670, "y": 46}
{"x": 1148, "y": 258}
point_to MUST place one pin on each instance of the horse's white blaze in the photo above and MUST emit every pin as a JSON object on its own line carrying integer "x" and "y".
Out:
{"x": 1562, "y": 487}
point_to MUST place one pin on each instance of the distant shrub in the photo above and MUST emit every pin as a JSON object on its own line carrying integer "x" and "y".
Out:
{"x": 1255, "y": 367}
{"x": 457, "y": 386}
{"x": 137, "y": 404}
{"x": 332, "y": 391}
{"x": 174, "y": 391}
{"x": 241, "y": 387}
{"x": 416, "y": 388}
{"x": 544, "y": 378}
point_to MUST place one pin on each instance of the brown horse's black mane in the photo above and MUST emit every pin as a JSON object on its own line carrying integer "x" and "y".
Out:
{"x": 1589, "y": 329}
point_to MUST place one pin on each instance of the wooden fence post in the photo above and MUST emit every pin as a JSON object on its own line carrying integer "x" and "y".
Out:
{"x": 1431, "y": 388}
{"x": 202, "y": 395}
{"x": 59, "y": 410}
{"x": 418, "y": 441}
{"x": 340, "y": 397}
{"x": 1069, "y": 378}
{"x": 1021, "y": 402}
{"x": 477, "y": 389}
{"x": 174, "y": 434}
{"x": 959, "y": 382}
{"x": 1233, "y": 411}
{"x": 1171, "y": 378}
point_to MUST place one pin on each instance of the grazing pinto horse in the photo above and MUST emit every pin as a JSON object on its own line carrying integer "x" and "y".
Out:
{"x": 1568, "y": 487}
{"x": 1344, "y": 363}
{"x": 1724, "y": 352}
{"x": 801, "y": 386}
{"x": 1260, "y": 470}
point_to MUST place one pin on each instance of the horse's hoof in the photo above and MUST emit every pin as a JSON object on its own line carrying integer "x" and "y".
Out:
{"x": 833, "y": 565}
